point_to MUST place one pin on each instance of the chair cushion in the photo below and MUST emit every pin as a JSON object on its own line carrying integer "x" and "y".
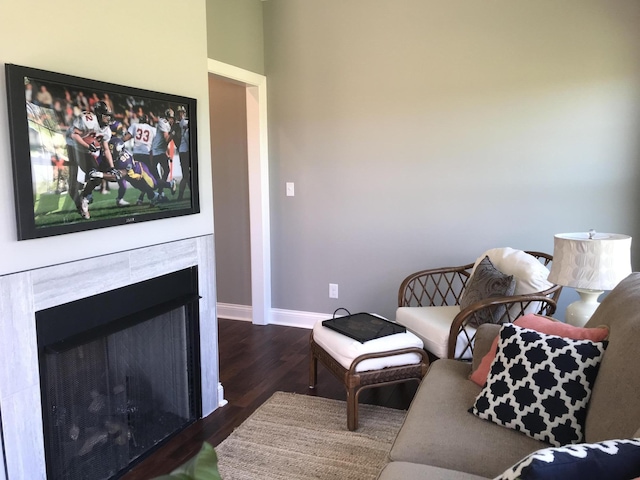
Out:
{"x": 432, "y": 326}
{"x": 540, "y": 384}
{"x": 611, "y": 459}
{"x": 543, "y": 325}
{"x": 487, "y": 282}
{"x": 345, "y": 349}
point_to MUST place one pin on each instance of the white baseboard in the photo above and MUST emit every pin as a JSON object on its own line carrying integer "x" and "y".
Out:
{"x": 234, "y": 312}
{"x": 293, "y": 318}
{"x": 221, "y": 401}
{"x": 287, "y": 318}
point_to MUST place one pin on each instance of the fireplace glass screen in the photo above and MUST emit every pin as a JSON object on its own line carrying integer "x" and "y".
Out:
{"x": 111, "y": 399}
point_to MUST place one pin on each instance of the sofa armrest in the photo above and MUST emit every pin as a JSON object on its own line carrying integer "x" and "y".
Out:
{"x": 485, "y": 335}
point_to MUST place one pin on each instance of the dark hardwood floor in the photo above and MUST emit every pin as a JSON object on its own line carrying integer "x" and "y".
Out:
{"x": 255, "y": 362}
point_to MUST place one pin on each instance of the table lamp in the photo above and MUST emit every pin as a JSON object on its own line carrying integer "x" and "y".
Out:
{"x": 591, "y": 263}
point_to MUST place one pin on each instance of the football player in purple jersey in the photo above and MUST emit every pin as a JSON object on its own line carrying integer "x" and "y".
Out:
{"x": 117, "y": 130}
{"x": 134, "y": 172}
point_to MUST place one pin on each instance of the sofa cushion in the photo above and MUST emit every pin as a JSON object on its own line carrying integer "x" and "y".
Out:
{"x": 417, "y": 471}
{"x": 540, "y": 384}
{"x": 439, "y": 431}
{"x": 611, "y": 459}
{"x": 544, "y": 325}
{"x": 432, "y": 326}
{"x": 487, "y": 282}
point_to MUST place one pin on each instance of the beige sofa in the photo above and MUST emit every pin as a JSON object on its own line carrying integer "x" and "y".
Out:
{"x": 440, "y": 439}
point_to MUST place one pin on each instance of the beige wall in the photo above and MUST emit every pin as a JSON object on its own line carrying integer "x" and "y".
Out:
{"x": 227, "y": 110}
{"x": 94, "y": 42}
{"x": 235, "y": 33}
{"x": 420, "y": 133}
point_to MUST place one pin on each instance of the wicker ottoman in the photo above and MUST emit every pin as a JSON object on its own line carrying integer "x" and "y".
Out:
{"x": 383, "y": 361}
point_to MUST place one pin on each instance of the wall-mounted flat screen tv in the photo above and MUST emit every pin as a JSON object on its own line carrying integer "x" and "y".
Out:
{"x": 88, "y": 154}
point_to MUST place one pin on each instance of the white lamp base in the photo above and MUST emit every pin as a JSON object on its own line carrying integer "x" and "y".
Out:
{"x": 580, "y": 311}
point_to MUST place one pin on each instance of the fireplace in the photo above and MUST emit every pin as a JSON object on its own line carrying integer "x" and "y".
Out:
{"x": 22, "y": 432}
{"x": 119, "y": 374}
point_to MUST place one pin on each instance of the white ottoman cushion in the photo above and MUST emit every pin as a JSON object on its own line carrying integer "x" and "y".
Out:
{"x": 432, "y": 325}
{"x": 345, "y": 349}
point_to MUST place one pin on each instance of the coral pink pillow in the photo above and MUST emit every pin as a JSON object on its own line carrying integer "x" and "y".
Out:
{"x": 542, "y": 325}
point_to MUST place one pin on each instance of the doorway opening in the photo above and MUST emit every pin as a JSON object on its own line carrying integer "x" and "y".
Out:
{"x": 258, "y": 184}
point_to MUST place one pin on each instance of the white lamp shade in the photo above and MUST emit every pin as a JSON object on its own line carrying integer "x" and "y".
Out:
{"x": 596, "y": 262}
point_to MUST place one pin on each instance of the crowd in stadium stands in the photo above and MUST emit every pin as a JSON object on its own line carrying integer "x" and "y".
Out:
{"x": 68, "y": 104}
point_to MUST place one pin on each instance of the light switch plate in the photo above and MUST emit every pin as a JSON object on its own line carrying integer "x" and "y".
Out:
{"x": 290, "y": 189}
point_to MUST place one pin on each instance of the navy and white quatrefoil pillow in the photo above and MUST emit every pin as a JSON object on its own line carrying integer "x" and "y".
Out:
{"x": 540, "y": 384}
{"x": 611, "y": 460}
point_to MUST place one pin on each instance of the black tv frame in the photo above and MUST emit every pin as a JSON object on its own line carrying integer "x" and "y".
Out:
{"x": 35, "y": 215}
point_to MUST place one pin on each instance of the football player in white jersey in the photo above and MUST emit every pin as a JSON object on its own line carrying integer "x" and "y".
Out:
{"x": 159, "y": 147}
{"x": 183, "y": 150}
{"x": 142, "y": 134}
{"x": 74, "y": 185}
{"x": 91, "y": 134}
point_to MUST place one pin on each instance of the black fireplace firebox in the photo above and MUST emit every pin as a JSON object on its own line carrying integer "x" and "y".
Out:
{"x": 119, "y": 375}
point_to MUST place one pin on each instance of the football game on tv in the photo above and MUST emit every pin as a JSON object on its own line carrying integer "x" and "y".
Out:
{"x": 88, "y": 154}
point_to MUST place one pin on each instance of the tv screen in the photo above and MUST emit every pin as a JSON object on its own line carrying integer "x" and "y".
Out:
{"x": 88, "y": 154}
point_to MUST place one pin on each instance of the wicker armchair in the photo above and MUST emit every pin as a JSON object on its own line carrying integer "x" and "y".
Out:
{"x": 444, "y": 287}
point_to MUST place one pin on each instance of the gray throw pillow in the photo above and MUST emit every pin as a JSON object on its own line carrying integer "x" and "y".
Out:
{"x": 487, "y": 282}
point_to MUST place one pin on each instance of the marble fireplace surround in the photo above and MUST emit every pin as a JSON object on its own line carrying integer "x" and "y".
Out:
{"x": 24, "y": 293}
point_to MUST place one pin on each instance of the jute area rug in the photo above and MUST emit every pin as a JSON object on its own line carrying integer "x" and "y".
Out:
{"x": 293, "y": 436}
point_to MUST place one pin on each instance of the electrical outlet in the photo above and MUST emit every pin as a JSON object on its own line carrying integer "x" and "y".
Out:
{"x": 333, "y": 290}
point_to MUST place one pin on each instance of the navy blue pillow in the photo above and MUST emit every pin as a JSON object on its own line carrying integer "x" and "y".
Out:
{"x": 610, "y": 460}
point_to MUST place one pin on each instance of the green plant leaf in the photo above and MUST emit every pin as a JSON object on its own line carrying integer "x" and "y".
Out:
{"x": 203, "y": 466}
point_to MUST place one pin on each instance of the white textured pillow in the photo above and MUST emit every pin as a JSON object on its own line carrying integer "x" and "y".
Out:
{"x": 530, "y": 274}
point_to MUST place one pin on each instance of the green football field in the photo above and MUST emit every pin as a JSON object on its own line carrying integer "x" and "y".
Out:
{"x": 59, "y": 209}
